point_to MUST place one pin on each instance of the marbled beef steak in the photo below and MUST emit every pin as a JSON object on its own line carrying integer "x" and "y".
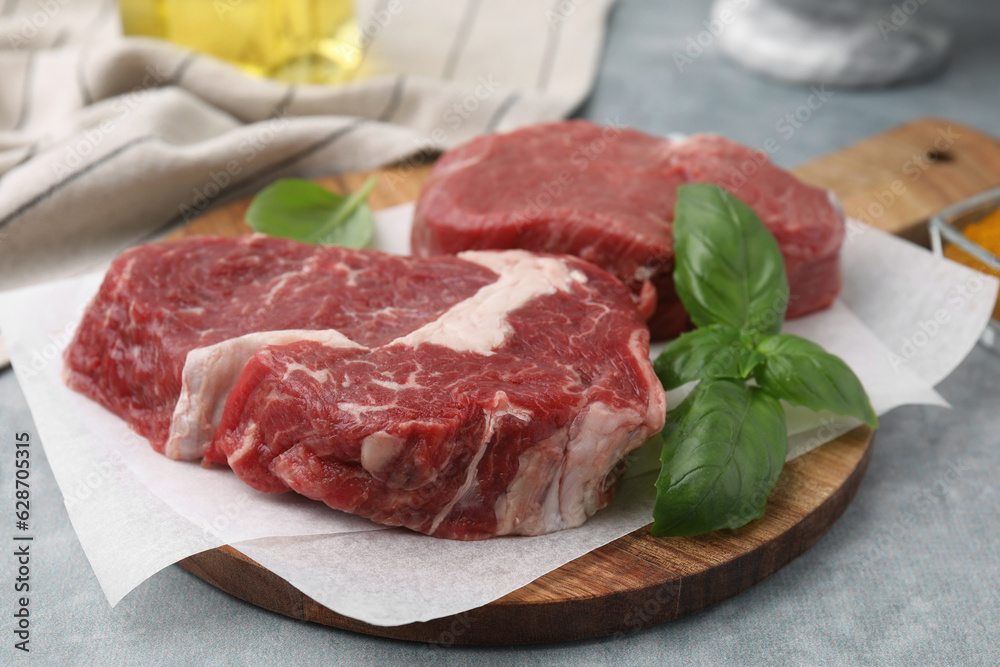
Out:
{"x": 607, "y": 195}
{"x": 465, "y": 397}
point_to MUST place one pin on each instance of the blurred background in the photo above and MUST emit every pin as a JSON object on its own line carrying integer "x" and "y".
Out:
{"x": 639, "y": 81}
{"x": 103, "y": 145}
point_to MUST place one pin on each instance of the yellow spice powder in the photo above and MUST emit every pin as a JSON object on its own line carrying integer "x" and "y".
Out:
{"x": 986, "y": 234}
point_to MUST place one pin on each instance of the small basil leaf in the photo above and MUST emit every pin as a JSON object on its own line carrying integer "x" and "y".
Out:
{"x": 723, "y": 449}
{"x": 304, "y": 211}
{"x": 710, "y": 352}
{"x": 802, "y": 373}
{"x": 729, "y": 269}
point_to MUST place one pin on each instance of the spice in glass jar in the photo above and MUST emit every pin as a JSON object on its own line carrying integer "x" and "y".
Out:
{"x": 986, "y": 234}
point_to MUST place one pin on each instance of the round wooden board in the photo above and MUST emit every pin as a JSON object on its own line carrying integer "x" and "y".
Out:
{"x": 635, "y": 581}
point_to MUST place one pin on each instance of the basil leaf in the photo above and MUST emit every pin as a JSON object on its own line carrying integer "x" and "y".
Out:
{"x": 802, "y": 373}
{"x": 717, "y": 351}
{"x": 304, "y": 211}
{"x": 723, "y": 449}
{"x": 728, "y": 269}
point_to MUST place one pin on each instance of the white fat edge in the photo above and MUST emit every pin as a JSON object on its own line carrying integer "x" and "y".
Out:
{"x": 592, "y": 444}
{"x": 503, "y": 409}
{"x": 209, "y": 375}
{"x": 599, "y": 438}
{"x": 536, "y": 473}
{"x": 479, "y": 323}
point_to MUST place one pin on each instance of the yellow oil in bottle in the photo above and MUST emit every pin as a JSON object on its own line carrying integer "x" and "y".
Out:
{"x": 302, "y": 41}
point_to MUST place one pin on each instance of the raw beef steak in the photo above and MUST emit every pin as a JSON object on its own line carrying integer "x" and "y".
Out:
{"x": 507, "y": 415}
{"x": 607, "y": 195}
{"x": 493, "y": 393}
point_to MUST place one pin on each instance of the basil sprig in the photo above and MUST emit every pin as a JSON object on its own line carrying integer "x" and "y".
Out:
{"x": 725, "y": 445}
{"x": 306, "y": 212}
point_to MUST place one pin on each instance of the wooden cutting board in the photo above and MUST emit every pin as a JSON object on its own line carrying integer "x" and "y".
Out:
{"x": 897, "y": 180}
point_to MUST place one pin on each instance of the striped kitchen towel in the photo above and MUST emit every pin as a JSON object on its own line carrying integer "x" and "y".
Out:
{"x": 108, "y": 141}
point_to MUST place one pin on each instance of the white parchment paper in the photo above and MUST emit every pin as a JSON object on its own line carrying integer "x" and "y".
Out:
{"x": 904, "y": 321}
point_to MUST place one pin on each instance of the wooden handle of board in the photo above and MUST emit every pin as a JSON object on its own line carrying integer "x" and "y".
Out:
{"x": 897, "y": 180}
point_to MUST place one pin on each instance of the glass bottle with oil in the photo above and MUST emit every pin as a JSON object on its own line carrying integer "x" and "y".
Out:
{"x": 301, "y": 41}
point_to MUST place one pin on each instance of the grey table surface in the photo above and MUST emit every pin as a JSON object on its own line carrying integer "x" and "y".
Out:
{"x": 910, "y": 574}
